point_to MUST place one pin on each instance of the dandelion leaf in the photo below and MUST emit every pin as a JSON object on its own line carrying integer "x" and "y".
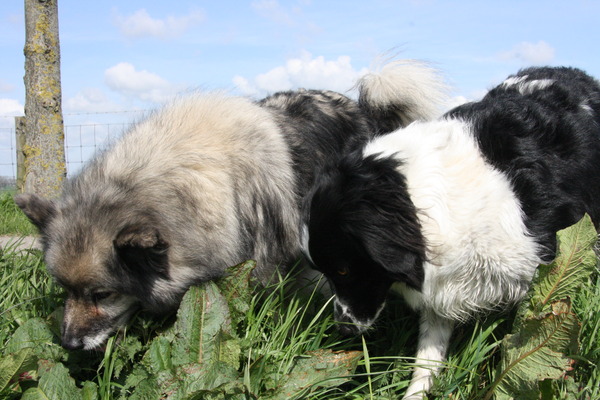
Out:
{"x": 54, "y": 384}
{"x": 545, "y": 331}
{"x": 203, "y": 326}
{"x": 538, "y": 351}
{"x": 575, "y": 261}
{"x": 12, "y": 366}
{"x": 236, "y": 286}
{"x": 197, "y": 355}
{"x": 321, "y": 368}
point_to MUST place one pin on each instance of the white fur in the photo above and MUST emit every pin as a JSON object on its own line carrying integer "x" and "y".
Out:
{"x": 361, "y": 324}
{"x": 586, "y": 107}
{"x": 434, "y": 336}
{"x": 412, "y": 83}
{"x": 527, "y": 87}
{"x": 479, "y": 254}
{"x": 304, "y": 240}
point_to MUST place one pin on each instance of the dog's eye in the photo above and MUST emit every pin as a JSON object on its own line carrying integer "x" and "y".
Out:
{"x": 342, "y": 271}
{"x": 99, "y": 296}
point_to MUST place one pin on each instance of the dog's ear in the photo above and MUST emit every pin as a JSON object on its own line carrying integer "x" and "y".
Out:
{"x": 142, "y": 249}
{"x": 401, "y": 263}
{"x": 385, "y": 220}
{"x": 38, "y": 209}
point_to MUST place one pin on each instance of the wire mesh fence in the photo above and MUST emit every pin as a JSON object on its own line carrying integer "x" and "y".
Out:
{"x": 81, "y": 142}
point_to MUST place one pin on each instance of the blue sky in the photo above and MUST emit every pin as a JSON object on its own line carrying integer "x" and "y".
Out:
{"x": 123, "y": 56}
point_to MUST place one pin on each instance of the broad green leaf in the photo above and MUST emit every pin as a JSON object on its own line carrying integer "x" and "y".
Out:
{"x": 140, "y": 384}
{"x": 198, "y": 354}
{"x": 36, "y": 334}
{"x": 574, "y": 263}
{"x": 89, "y": 391}
{"x": 233, "y": 390}
{"x": 236, "y": 286}
{"x": 545, "y": 331}
{"x": 12, "y": 365}
{"x": 158, "y": 356}
{"x": 202, "y": 319}
{"x": 55, "y": 384}
{"x": 198, "y": 379}
{"x": 536, "y": 352}
{"x": 322, "y": 368}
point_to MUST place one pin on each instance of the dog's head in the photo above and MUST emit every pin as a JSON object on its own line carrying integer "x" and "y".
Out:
{"x": 108, "y": 265}
{"x": 362, "y": 232}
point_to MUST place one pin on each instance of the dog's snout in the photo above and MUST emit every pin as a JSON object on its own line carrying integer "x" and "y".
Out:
{"x": 345, "y": 323}
{"x": 71, "y": 342}
{"x": 347, "y": 329}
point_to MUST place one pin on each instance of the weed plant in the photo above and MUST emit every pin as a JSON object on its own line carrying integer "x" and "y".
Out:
{"x": 270, "y": 332}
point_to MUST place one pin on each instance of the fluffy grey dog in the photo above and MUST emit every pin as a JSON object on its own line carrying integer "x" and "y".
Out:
{"x": 206, "y": 182}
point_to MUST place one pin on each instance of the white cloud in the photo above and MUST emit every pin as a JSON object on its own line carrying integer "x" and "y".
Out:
{"x": 125, "y": 79}
{"x": 530, "y": 53}
{"x": 271, "y": 9}
{"x": 90, "y": 100}
{"x": 305, "y": 71}
{"x": 141, "y": 24}
{"x": 10, "y": 108}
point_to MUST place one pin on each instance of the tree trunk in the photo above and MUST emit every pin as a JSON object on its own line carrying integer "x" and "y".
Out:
{"x": 44, "y": 148}
{"x": 20, "y": 145}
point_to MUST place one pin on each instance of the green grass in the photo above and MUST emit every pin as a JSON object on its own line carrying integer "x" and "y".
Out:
{"x": 280, "y": 326}
{"x": 25, "y": 289}
{"x": 12, "y": 220}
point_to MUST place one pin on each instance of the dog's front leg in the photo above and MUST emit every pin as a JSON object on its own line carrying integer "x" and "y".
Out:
{"x": 434, "y": 337}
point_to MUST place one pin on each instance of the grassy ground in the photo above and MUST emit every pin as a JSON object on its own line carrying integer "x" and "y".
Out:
{"x": 12, "y": 220}
{"x": 279, "y": 327}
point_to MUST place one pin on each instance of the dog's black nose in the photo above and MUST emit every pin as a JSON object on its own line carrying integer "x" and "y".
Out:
{"x": 347, "y": 329}
{"x": 71, "y": 343}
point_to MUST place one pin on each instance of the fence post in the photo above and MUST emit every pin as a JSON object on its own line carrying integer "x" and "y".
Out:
{"x": 20, "y": 144}
{"x": 44, "y": 145}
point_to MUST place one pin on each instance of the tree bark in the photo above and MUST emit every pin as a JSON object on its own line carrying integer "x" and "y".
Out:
{"x": 20, "y": 145}
{"x": 44, "y": 148}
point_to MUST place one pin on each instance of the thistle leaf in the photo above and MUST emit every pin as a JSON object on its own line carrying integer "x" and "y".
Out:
{"x": 538, "y": 351}
{"x": 574, "y": 263}
{"x": 545, "y": 331}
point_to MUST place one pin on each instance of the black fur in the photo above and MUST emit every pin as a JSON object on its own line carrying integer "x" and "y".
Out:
{"x": 535, "y": 142}
{"x": 548, "y": 145}
{"x": 365, "y": 233}
{"x": 544, "y": 139}
{"x": 322, "y": 126}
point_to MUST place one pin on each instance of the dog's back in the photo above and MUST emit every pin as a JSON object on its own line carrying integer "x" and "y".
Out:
{"x": 541, "y": 128}
{"x": 195, "y": 172}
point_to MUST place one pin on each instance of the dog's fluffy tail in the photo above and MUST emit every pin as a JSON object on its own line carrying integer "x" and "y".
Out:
{"x": 401, "y": 92}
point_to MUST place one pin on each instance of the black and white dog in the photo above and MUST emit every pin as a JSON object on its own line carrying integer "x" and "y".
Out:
{"x": 457, "y": 213}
